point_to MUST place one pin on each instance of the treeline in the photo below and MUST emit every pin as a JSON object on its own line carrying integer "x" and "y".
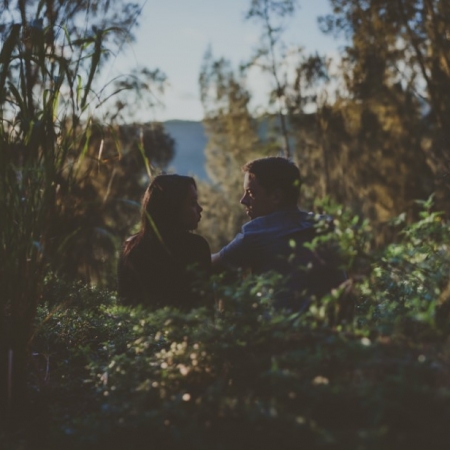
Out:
{"x": 370, "y": 130}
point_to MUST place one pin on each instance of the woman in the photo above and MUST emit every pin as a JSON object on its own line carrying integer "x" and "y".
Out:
{"x": 163, "y": 262}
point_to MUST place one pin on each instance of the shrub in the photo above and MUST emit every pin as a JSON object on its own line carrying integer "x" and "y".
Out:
{"x": 242, "y": 374}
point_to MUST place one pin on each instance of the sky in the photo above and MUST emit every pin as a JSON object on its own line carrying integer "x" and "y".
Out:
{"x": 174, "y": 35}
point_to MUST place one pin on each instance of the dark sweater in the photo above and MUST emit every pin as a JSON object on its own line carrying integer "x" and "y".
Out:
{"x": 155, "y": 275}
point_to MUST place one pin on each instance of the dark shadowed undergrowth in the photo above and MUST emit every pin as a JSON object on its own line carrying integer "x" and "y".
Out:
{"x": 365, "y": 368}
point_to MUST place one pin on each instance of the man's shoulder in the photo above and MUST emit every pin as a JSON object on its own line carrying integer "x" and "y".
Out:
{"x": 293, "y": 219}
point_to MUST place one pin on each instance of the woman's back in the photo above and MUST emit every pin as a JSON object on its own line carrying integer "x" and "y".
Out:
{"x": 161, "y": 264}
{"x": 156, "y": 275}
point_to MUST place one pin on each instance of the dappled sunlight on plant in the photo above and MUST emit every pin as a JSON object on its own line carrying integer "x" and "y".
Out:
{"x": 375, "y": 347}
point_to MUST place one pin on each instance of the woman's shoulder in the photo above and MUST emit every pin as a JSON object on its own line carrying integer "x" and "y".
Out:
{"x": 193, "y": 246}
{"x": 196, "y": 250}
{"x": 137, "y": 247}
{"x": 196, "y": 240}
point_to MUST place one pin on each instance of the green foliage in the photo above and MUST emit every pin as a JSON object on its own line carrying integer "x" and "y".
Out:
{"x": 395, "y": 71}
{"x": 48, "y": 78}
{"x": 75, "y": 325}
{"x": 242, "y": 373}
{"x": 365, "y": 367}
{"x": 232, "y": 141}
{"x": 368, "y": 128}
{"x": 103, "y": 206}
{"x": 408, "y": 284}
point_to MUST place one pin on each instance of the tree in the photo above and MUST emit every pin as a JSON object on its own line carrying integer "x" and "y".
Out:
{"x": 397, "y": 47}
{"x": 267, "y": 57}
{"x": 232, "y": 141}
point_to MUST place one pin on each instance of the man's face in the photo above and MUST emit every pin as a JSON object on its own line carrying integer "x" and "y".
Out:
{"x": 257, "y": 201}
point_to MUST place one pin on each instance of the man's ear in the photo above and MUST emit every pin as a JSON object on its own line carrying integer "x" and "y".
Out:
{"x": 277, "y": 196}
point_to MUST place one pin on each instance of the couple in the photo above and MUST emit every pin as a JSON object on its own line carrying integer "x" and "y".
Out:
{"x": 154, "y": 268}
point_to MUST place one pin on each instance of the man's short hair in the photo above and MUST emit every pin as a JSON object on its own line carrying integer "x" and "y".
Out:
{"x": 275, "y": 172}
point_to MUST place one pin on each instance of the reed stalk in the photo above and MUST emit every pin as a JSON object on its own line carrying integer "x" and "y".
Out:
{"x": 44, "y": 132}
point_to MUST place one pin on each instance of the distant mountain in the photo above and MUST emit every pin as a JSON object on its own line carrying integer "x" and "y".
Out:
{"x": 190, "y": 143}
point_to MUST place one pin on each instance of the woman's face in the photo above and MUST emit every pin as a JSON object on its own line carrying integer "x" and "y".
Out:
{"x": 190, "y": 210}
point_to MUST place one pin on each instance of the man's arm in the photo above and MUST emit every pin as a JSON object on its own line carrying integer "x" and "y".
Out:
{"x": 234, "y": 254}
{"x": 216, "y": 261}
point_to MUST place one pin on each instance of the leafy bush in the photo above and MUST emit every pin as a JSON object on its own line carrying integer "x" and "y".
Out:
{"x": 407, "y": 289}
{"x": 242, "y": 374}
{"x": 208, "y": 381}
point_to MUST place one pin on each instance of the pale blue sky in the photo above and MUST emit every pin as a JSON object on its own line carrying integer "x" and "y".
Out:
{"x": 174, "y": 35}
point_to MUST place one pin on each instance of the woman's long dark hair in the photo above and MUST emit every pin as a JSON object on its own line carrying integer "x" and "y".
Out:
{"x": 161, "y": 207}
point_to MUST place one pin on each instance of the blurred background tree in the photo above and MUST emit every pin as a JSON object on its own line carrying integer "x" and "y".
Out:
{"x": 393, "y": 100}
{"x": 102, "y": 208}
{"x": 233, "y": 140}
{"x": 368, "y": 128}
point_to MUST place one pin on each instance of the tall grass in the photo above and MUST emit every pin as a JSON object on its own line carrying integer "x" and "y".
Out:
{"x": 45, "y": 92}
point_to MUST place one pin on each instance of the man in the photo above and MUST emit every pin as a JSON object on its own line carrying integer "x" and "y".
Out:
{"x": 274, "y": 238}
